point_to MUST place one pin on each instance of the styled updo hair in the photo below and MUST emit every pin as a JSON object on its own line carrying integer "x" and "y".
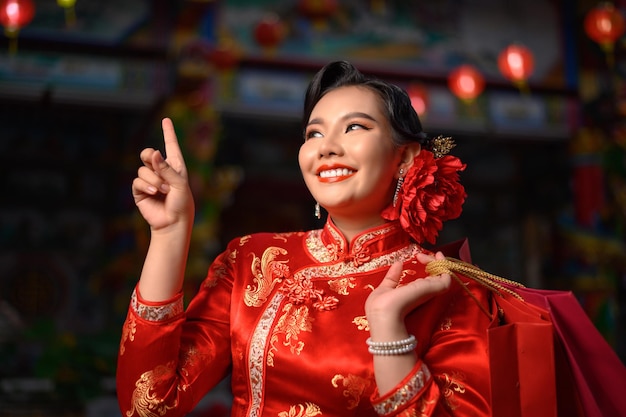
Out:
{"x": 405, "y": 123}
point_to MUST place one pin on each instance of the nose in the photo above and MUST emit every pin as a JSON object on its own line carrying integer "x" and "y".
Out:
{"x": 329, "y": 145}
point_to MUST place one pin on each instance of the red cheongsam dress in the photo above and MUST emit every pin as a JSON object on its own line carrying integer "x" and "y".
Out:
{"x": 283, "y": 315}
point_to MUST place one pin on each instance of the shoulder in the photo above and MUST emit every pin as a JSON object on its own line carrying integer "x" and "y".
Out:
{"x": 265, "y": 239}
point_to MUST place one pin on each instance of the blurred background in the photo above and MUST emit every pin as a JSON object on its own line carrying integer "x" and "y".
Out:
{"x": 532, "y": 92}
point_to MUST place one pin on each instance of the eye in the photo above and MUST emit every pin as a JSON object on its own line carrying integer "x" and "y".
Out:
{"x": 312, "y": 134}
{"x": 355, "y": 126}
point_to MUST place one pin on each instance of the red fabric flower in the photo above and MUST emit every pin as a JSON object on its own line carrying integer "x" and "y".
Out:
{"x": 298, "y": 289}
{"x": 430, "y": 195}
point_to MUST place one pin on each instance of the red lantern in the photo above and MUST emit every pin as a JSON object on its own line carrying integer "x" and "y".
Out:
{"x": 516, "y": 63}
{"x": 466, "y": 82}
{"x": 269, "y": 32}
{"x": 14, "y": 15}
{"x": 604, "y": 24}
{"x": 223, "y": 57}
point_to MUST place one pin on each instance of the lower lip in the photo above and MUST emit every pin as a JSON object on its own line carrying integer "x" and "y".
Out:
{"x": 334, "y": 179}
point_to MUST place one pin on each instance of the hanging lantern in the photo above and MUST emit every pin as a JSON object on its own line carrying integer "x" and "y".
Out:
{"x": 516, "y": 63}
{"x": 223, "y": 57}
{"x": 269, "y": 32}
{"x": 466, "y": 82}
{"x": 14, "y": 15}
{"x": 604, "y": 24}
{"x": 419, "y": 98}
{"x": 318, "y": 10}
{"x": 70, "y": 12}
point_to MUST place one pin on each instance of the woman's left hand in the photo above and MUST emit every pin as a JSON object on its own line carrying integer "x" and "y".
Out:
{"x": 389, "y": 303}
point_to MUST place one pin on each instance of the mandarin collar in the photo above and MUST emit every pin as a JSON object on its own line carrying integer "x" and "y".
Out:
{"x": 365, "y": 246}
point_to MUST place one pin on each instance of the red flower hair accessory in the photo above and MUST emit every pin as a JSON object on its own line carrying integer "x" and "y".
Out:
{"x": 430, "y": 195}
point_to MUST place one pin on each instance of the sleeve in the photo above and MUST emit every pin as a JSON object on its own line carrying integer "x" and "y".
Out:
{"x": 452, "y": 376}
{"x": 170, "y": 358}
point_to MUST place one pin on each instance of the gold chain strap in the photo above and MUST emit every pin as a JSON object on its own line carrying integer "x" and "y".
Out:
{"x": 491, "y": 281}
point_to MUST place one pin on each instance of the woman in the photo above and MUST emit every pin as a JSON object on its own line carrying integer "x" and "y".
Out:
{"x": 339, "y": 321}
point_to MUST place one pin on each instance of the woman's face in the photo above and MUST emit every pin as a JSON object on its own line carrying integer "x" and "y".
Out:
{"x": 348, "y": 160}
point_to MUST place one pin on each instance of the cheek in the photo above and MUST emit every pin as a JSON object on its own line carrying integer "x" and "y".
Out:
{"x": 382, "y": 157}
{"x": 306, "y": 156}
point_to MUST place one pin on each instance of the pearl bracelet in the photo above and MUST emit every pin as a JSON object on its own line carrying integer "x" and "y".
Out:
{"x": 396, "y": 347}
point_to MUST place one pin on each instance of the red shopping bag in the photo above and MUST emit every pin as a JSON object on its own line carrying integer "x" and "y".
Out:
{"x": 590, "y": 377}
{"x": 521, "y": 348}
{"x": 598, "y": 374}
{"x": 521, "y": 359}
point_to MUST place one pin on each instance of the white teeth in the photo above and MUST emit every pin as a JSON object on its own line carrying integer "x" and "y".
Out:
{"x": 336, "y": 173}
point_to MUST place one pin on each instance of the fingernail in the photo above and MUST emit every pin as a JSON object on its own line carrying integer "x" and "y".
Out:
{"x": 152, "y": 189}
{"x": 164, "y": 188}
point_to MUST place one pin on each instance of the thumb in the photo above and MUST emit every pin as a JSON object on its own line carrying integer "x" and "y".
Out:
{"x": 392, "y": 277}
{"x": 165, "y": 170}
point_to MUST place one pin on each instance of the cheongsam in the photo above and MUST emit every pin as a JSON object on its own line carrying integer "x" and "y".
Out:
{"x": 283, "y": 315}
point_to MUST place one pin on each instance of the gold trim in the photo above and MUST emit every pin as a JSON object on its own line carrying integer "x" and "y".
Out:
{"x": 156, "y": 313}
{"x": 406, "y": 393}
{"x": 256, "y": 355}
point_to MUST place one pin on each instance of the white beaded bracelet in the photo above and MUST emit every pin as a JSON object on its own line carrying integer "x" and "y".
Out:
{"x": 395, "y": 347}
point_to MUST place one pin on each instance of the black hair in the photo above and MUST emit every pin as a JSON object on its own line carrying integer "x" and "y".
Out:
{"x": 405, "y": 123}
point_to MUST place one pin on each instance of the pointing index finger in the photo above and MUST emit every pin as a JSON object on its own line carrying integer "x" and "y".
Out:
{"x": 172, "y": 147}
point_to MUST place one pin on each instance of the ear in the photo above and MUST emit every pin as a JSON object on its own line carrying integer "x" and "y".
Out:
{"x": 409, "y": 152}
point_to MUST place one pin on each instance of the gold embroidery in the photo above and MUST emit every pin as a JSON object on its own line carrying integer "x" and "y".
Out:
{"x": 424, "y": 406}
{"x": 361, "y": 323}
{"x": 210, "y": 282}
{"x": 451, "y": 384}
{"x": 326, "y": 303}
{"x": 128, "y": 332}
{"x": 341, "y": 285}
{"x": 342, "y": 269}
{"x": 267, "y": 271}
{"x": 354, "y": 386}
{"x": 190, "y": 357}
{"x": 284, "y": 235}
{"x": 446, "y": 324}
{"x": 144, "y": 401}
{"x": 306, "y": 410}
{"x": 218, "y": 270}
{"x": 300, "y": 289}
{"x": 404, "y": 274}
{"x": 293, "y": 321}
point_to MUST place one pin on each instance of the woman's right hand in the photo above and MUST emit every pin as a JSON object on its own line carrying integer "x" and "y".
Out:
{"x": 161, "y": 189}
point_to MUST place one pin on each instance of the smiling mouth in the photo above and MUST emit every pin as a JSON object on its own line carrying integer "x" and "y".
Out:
{"x": 336, "y": 173}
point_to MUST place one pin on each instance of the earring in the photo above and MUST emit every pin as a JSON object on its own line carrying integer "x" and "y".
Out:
{"x": 398, "y": 187}
{"x": 318, "y": 212}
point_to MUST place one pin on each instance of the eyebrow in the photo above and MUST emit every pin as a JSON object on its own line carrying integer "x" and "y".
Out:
{"x": 347, "y": 116}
